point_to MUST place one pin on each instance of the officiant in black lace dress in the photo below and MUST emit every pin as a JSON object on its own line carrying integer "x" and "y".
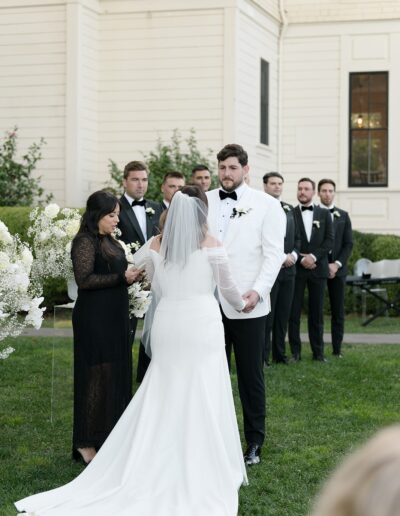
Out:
{"x": 102, "y": 352}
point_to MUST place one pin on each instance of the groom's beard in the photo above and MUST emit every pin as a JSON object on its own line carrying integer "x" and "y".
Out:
{"x": 229, "y": 185}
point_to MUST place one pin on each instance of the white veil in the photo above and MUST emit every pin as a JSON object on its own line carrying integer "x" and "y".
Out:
{"x": 185, "y": 229}
{"x": 183, "y": 233}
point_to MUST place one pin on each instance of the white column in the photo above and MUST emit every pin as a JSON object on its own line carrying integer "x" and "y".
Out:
{"x": 73, "y": 95}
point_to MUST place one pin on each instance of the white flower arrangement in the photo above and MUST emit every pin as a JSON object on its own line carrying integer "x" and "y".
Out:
{"x": 139, "y": 293}
{"x": 150, "y": 211}
{"x": 336, "y": 214}
{"x": 52, "y": 230}
{"x": 286, "y": 207}
{"x": 239, "y": 212}
{"x": 316, "y": 223}
{"x": 139, "y": 298}
{"x": 19, "y": 294}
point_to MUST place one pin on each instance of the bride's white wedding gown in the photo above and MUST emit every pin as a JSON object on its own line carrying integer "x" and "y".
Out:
{"x": 176, "y": 449}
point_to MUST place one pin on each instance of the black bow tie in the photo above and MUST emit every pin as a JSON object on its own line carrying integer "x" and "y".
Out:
{"x": 305, "y": 208}
{"x": 223, "y": 195}
{"x": 139, "y": 203}
{"x": 331, "y": 210}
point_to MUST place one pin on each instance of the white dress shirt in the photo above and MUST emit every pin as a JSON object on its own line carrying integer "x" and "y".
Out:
{"x": 307, "y": 221}
{"x": 225, "y": 212}
{"x": 140, "y": 213}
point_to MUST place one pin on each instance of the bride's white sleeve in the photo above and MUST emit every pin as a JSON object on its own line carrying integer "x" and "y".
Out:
{"x": 142, "y": 259}
{"x": 218, "y": 260}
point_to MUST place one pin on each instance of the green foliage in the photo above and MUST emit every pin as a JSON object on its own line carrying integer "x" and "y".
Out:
{"x": 177, "y": 155}
{"x": 17, "y": 220}
{"x": 17, "y": 187}
{"x": 385, "y": 247}
{"x": 316, "y": 414}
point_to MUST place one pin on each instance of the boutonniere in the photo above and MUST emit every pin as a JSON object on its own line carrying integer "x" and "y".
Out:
{"x": 286, "y": 207}
{"x": 316, "y": 223}
{"x": 150, "y": 212}
{"x": 238, "y": 212}
{"x": 336, "y": 214}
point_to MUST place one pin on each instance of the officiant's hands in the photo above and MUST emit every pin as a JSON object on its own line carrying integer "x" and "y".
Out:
{"x": 133, "y": 274}
{"x": 251, "y": 298}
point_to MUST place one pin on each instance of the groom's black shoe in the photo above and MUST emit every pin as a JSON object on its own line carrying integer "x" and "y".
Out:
{"x": 252, "y": 455}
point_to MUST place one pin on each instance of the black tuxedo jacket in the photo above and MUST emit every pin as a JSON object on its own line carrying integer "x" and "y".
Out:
{"x": 129, "y": 225}
{"x": 292, "y": 240}
{"x": 321, "y": 241}
{"x": 343, "y": 240}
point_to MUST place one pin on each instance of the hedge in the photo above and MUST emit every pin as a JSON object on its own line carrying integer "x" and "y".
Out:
{"x": 366, "y": 245}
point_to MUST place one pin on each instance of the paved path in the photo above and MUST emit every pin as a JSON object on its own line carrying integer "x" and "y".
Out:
{"x": 349, "y": 338}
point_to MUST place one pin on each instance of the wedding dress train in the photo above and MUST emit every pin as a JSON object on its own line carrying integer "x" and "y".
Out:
{"x": 176, "y": 449}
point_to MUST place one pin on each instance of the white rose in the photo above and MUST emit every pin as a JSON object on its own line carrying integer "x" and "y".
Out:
{"x": 58, "y": 233}
{"x": 43, "y": 236}
{"x": 5, "y": 234}
{"x": 72, "y": 227}
{"x": 52, "y": 210}
{"x": 4, "y": 260}
{"x": 27, "y": 257}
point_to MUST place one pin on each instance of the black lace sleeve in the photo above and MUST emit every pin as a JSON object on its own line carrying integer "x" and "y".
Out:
{"x": 83, "y": 254}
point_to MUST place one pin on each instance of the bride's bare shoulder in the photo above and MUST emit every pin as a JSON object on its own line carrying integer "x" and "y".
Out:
{"x": 211, "y": 241}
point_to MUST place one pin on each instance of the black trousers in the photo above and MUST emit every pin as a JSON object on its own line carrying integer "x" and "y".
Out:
{"x": 316, "y": 289}
{"x": 143, "y": 359}
{"x": 278, "y": 318}
{"x": 336, "y": 290}
{"x": 247, "y": 336}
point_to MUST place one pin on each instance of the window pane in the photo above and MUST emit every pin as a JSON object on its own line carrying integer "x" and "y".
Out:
{"x": 264, "y": 94}
{"x": 368, "y": 129}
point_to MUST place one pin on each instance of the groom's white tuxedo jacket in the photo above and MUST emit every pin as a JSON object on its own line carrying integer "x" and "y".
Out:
{"x": 254, "y": 243}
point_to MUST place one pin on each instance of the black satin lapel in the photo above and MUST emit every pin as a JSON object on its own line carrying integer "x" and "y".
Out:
{"x": 135, "y": 224}
{"x": 301, "y": 224}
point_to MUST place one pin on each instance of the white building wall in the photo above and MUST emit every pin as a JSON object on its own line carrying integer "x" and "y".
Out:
{"x": 304, "y": 11}
{"x": 159, "y": 71}
{"x": 32, "y": 84}
{"x": 257, "y": 38}
{"x": 317, "y": 61}
{"x": 90, "y": 100}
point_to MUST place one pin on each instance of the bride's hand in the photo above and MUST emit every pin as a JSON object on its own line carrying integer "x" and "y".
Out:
{"x": 133, "y": 274}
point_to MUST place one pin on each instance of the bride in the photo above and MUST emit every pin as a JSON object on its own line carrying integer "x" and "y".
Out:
{"x": 176, "y": 449}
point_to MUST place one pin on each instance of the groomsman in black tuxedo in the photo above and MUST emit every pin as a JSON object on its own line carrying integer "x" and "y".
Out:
{"x": 343, "y": 244}
{"x": 138, "y": 221}
{"x": 316, "y": 237}
{"x": 172, "y": 182}
{"x": 282, "y": 291}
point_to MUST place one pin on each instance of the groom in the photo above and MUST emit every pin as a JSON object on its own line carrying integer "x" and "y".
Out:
{"x": 251, "y": 225}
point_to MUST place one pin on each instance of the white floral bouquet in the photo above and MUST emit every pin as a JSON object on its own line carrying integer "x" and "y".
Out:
{"x": 52, "y": 230}
{"x": 139, "y": 293}
{"x": 18, "y": 292}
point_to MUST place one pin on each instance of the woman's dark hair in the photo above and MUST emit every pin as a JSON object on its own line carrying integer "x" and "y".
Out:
{"x": 195, "y": 191}
{"x": 98, "y": 205}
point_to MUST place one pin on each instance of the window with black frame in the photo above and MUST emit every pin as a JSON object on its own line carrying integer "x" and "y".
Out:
{"x": 264, "y": 99}
{"x": 368, "y": 163}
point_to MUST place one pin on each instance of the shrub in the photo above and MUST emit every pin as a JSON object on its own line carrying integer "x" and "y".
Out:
{"x": 17, "y": 187}
{"x": 165, "y": 158}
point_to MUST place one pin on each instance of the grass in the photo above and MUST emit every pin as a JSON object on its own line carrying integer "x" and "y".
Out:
{"x": 315, "y": 414}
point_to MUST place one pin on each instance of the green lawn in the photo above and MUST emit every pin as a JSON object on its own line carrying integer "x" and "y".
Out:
{"x": 315, "y": 413}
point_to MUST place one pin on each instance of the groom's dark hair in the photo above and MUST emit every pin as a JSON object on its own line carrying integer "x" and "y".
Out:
{"x": 233, "y": 150}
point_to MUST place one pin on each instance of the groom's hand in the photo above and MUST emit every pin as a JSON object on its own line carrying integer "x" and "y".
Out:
{"x": 252, "y": 298}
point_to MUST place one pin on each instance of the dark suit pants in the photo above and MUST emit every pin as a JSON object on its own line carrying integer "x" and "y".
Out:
{"x": 248, "y": 339}
{"x": 316, "y": 289}
{"x": 336, "y": 290}
{"x": 278, "y": 318}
